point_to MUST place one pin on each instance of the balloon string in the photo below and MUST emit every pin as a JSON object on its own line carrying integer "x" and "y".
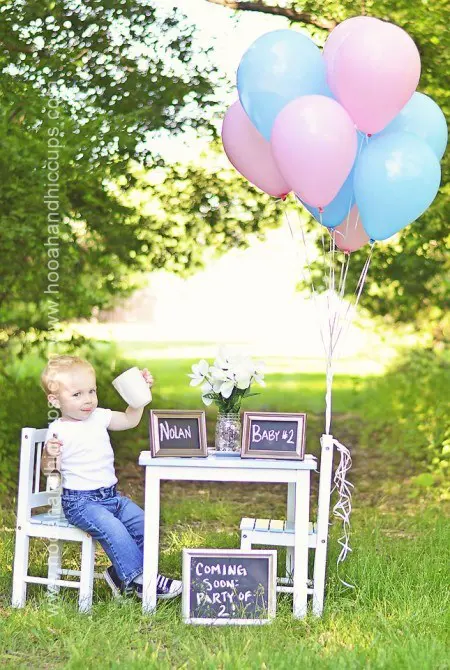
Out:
{"x": 328, "y": 396}
{"x": 351, "y": 308}
{"x": 359, "y": 288}
{"x": 342, "y": 509}
{"x": 323, "y": 251}
{"x": 346, "y": 264}
{"x": 350, "y": 204}
{"x": 339, "y": 299}
{"x": 333, "y": 313}
{"x": 327, "y": 284}
{"x": 305, "y": 279}
{"x": 341, "y": 275}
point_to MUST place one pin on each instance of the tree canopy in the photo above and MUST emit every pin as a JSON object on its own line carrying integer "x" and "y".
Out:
{"x": 84, "y": 87}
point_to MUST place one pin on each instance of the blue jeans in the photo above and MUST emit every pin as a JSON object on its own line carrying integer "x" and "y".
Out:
{"x": 112, "y": 519}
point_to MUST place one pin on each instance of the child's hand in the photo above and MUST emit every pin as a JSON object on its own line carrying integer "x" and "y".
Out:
{"x": 53, "y": 446}
{"x": 51, "y": 455}
{"x": 147, "y": 376}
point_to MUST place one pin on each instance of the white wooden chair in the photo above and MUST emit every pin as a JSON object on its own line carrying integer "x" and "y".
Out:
{"x": 275, "y": 532}
{"x": 51, "y": 525}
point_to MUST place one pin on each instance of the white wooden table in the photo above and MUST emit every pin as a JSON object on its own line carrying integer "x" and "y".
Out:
{"x": 229, "y": 469}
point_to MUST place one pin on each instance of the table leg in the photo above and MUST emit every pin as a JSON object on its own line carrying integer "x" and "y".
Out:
{"x": 301, "y": 544}
{"x": 151, "y": 540}
{"x": 290, "y": 515}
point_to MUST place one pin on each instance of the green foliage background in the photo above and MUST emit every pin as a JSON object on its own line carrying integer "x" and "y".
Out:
{"x": 125, "y": 74}
{"x": 407, "y": 410}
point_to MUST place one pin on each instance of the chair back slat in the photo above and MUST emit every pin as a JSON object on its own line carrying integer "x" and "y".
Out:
{"x": 42, "y": 494}
{"x": 39, "y": 441}
{"x": 40, "y": 434}
{"x": 44, "y": 498}
{"x": 26, "y": 474}
{"x": 38, "y": 445}
{"x": 31, "y": 494}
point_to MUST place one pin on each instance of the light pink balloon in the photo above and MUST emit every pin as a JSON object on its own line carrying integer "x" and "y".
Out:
{"x": 250, "y": 152}
{"x": 350, "y": 234}
{"x": 375, "y": 72}
{"x": 314, "y": 145}
{"x": 337, "y": 37}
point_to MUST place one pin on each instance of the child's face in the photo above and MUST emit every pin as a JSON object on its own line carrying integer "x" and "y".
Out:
{"x": 77, "y": 394}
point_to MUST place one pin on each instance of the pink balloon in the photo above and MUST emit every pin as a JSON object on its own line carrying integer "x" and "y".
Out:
{"x": 375, "y": 72}
{"x": 350, "y": 234}
{"x": 250, "y": 153}
{"x": 337, "y": 37}
{"x": 314, "y": 145}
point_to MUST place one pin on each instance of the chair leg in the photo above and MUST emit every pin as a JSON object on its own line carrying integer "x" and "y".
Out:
{"x": 290, "y": 516}
{"x": 54, "y": 564}
{"x": 87, "y": 574}
{"x": 19, "y": 592}
{"x": 289, "y": 562}
{"x": 246, "y": 542}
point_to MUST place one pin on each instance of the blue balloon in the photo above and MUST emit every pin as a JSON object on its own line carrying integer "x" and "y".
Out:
{"x": 396, "y": 179}
{"x": 279, "y": 66}
{"x": 338, "y": 209}
{"x": 421, "y": 116}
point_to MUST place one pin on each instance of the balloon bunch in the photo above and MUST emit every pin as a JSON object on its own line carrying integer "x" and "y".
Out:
{"x": 345, "y": 131}
{"x": 343, "y": 128}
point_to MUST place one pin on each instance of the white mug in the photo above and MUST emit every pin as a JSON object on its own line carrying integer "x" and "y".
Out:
{"x": 133, "y": 388}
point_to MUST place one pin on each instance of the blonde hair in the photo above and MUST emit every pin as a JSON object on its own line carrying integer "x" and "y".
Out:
{"x": 57, "y": 366}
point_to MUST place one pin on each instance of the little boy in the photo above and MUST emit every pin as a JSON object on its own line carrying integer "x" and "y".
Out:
{"x": 78, "y": 445}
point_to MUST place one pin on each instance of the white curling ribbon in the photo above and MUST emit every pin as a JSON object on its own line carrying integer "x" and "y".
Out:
{"x": 343, "y": 508}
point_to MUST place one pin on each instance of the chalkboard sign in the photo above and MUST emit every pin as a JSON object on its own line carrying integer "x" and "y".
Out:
{"x": 268, "y": 435}
{"x": 177, "y": 433}
{"x": 229, "y": 586}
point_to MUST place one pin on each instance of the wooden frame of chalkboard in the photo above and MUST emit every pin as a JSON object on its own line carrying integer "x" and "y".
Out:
{"x": 222, "y": 586}
{"x": 282, "y": 437}
{"x": 178, "y": 433}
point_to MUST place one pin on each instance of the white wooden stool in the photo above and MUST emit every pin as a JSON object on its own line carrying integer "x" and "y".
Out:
{"x": 280, "y": 533}
{"x": 51, "y": 525}
{"x": 276, "y": 533}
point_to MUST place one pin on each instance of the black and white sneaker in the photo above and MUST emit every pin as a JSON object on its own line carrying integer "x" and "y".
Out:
{"x": 116, "y": 585}
{"x": 166, "y": 588}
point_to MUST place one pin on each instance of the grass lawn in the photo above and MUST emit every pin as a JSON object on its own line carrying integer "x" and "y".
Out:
{"x": 396, "y": 617}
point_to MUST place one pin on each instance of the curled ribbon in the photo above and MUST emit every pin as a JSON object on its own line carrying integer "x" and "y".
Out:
{"x": 343, "y": 508}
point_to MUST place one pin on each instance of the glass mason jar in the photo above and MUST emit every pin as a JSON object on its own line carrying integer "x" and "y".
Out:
{"x": 228, "y": 432}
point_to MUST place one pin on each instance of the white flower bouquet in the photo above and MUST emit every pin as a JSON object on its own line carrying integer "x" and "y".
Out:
{"x": 227, "y": 382}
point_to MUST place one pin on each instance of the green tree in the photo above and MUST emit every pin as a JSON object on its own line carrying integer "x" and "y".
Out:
{"x": 84, "y": 87}
{"x": 408, "y": 279}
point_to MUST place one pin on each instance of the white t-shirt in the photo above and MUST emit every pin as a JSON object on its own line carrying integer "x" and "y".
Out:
{"x": 87, "y": 457}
